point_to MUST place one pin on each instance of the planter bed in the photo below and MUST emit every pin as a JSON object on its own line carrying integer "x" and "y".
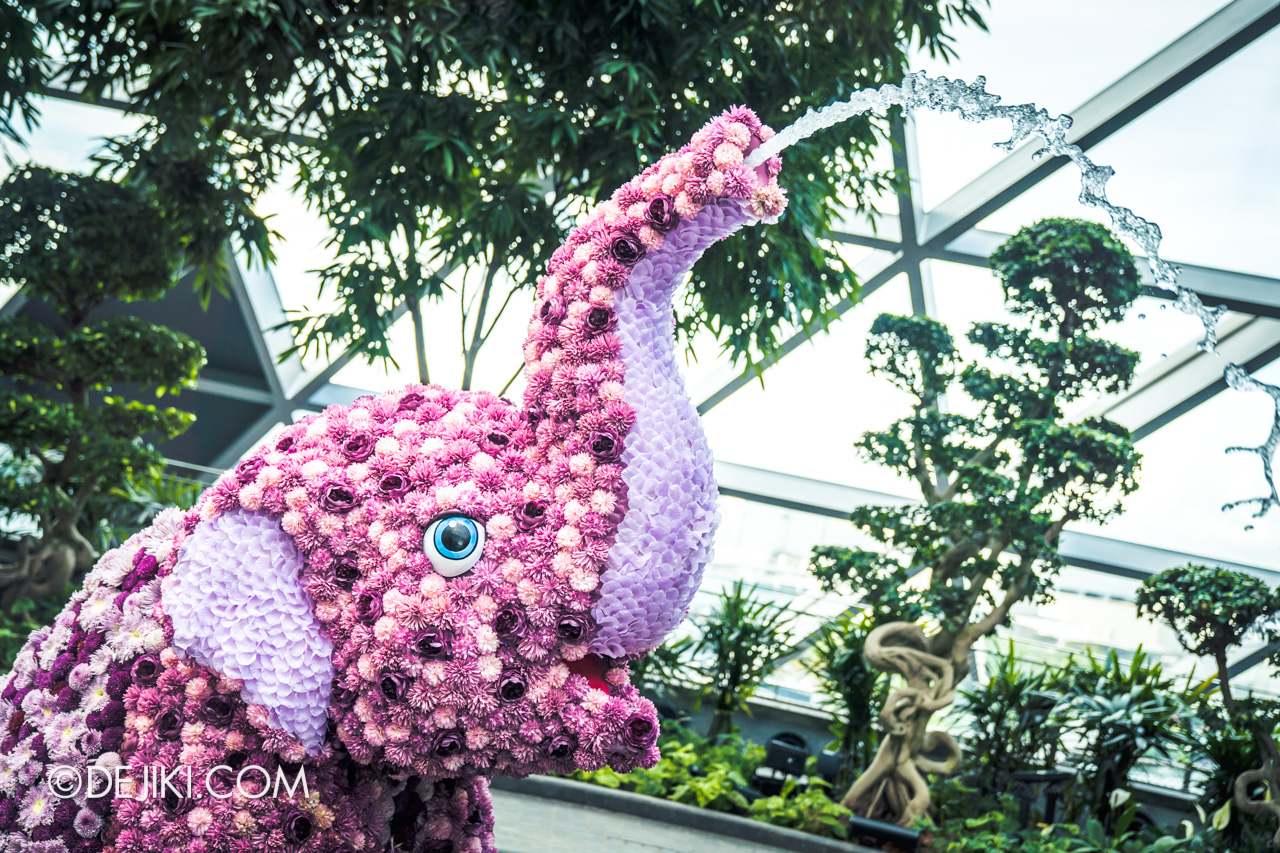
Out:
{"x": 542, "y": 814}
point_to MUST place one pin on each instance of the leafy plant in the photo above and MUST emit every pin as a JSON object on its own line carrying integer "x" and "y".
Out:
{"x": 663, "y": 671}
{"x": 738, "y": 643}
{"x": 998, "y": 486}
{"x": 1009, "y": 727}
{"x": 1118, "y": 714}
{"x": 1227, "y": 744}
{"x": 852, "y": 689}
{"x": 811, "y": 810}
{"x": 435, "y": 135}
{"x": 76, "y": 243}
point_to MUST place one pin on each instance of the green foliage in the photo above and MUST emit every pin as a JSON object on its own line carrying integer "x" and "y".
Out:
{"x": 1000, "y": 484}
{"x": 1008, "y": 727}
{"x": 693, "y": 770}
{"x": 737, "y": 645}
{"x": 1226, "y": 744}
{"x": 811, "y": 810}
{"x": 665, "y": 670}
{"x": 1118, "y": 714}
{"x": 473, "y": 132}
{"x": 76, "y": 243}
{"x": 30, "y": 614}
{"x": 852, "y": 689}
{"x": 1210, "y": 609}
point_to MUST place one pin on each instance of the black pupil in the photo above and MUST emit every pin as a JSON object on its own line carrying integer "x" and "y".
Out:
{"x": 456, "y": 536}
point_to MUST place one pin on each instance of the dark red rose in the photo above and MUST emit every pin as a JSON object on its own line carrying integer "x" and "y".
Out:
{"x": 553, "y": 310}
{"x": 562, "y": 746}
{"x": 358, "y": 447}
{"x": 369, "y": 608}
{"x": 509, "y": 623}
{"x": 346, "y": 569}
{"x": 660, "y": 212}
{"x": 511, "y": 686}
{"x": 338, "y": 499}
{"x": 169, "y": 724}
{"x": 626, "y": 249}
{"x": 435, "y": 644}
{"x": 448, "y": 742}
{"x": 530, "y": 515}
{"x": 285, "y": 443}
{"x": 297, "y": 827}
{"x": 411, "y": 401}
{"x": 217, "y": 711}
{"x": 248, "y": 470}
{"x": 394, "y": 686}
{"x": 393, "y": 484}
{"x": 605, "y": 446}
{"x": 600, "y": 320}
{"x": 639, "y": 733}
{"x": 573, "y": 628}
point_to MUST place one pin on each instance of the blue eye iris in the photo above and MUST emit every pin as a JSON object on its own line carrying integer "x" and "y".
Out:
{"x": 456, "y": 537}
{"x": 453, "y": 544}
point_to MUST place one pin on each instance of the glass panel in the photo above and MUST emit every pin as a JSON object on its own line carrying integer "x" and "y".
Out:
{"x": 1187, "y": 476}
{"x": 815, "y": 403}
{"x": 1056, "y": 54}
{"x": 68, "y": 135}
{"x": 1203, "y": 180}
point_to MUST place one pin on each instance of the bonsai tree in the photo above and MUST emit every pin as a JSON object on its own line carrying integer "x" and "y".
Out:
{"x": 1212, "y": 610}
{"x": 997, "y": 485}
{"x": 739, "y": 642}
{"x": 76, "y": 243}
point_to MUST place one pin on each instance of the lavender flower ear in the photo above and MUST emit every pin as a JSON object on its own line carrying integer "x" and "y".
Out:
{"x": 238, "y": 607}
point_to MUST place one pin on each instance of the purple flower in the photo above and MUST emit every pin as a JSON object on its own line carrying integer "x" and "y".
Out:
{"x": 173, "y": 803}
{"x": 411, "y": 401}
{"x": 511, "y": 686}
{"x": 248, "y": 470}
{"x": 535, "y": 414}
{"x": 117, "y": 684}
{"x": 441, "y": 846}
{"x": 67, "y": 699}
{"x": 343, "y": 696}
{"x": 394, "y": 685}
{"x": 626, "y": 249}
{"x": 338, "y": 499}
{"x": 639, "y": 733}
{"x": 217, "y": 711}
{"x": 285, "y": 443}
{"x": 573, "y": 628}
{"x": 499, "y": 439}
{"x": 605, "y": 446}
{"x": 661, "y": 213}
{"x": 358, "y": 447}
{"x": 435, "y": 644}
{"x": 509, "y": 623}
{"x": 562, "y": 746}
{"x": 169, "y": 724}
{"x": 297, "y": 827}
{"x": 553, "y": 310}
{"x": 368, "y": 608}
{"x": 530, "y": 515}
{"x": 146, "y": 669}
{"x": 448, "y": 742}
{"x": 600, "y": 320}
{"x": 393, "y": 484}
{"x": 346, "y": 569}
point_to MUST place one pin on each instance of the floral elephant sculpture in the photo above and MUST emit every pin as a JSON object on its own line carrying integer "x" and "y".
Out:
{"x": 394, "y": 600}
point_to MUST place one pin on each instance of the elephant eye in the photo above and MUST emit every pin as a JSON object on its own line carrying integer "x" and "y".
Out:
{"x": 453, "y": 544}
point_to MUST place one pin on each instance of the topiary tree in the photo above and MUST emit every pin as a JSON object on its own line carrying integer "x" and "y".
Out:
{"x": 76, "y": 243}
{"x": 1212, "y": 610}
{"x": 998, "y": 485}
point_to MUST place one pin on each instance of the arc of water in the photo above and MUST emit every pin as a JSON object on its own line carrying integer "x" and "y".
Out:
{"x": 971, "y": 102}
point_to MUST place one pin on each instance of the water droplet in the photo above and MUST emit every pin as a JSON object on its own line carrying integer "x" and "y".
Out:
{"x": 1164, "y": 355}
{"x": 1248, "y": 527}
{"x": 1163, "y": 307}
{"x": 1142, "y": 316}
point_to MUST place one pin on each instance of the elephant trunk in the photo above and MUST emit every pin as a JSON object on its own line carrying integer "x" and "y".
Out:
{"x": 602, "y": 341}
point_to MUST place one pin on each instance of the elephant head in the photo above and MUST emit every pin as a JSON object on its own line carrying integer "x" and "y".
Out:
{"x": 430, "y": 585}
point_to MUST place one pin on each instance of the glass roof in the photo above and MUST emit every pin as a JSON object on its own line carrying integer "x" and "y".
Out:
{"x": 1200, "y": 163}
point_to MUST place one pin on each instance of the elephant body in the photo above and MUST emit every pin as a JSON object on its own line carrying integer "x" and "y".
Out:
{"x": 402, "y": 597}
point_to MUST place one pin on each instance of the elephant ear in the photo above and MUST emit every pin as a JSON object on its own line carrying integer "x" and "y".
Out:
{"x": 238, "y": 606}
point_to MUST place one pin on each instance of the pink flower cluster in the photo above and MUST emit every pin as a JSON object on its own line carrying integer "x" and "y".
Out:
{"x": 438, "y": 681}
